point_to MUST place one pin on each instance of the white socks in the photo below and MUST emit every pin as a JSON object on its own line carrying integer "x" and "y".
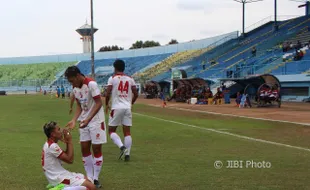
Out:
{"x": 88, "y": 165}
{"x": 75, "y": 188}
{"x": 128, "y": 143}
{"x": 116, "y": 139}
{"x": 97, "y": 163}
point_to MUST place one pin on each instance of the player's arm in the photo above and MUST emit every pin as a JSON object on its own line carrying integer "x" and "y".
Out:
{"x": 78, "y": 111}
{"x": 77, "y": 114}
{"x": 67, "y": 156}
{"x": 108, "y": 93}
{"x": 72, "y": 102}
{"x": 134, "y": 92}
{"x": 96, "y": 108}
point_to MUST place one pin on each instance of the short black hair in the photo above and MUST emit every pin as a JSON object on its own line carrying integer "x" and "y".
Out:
{"x": 72, "y": 71}
{"x": 119, "y": 65}
{"x": 48, "y": 128}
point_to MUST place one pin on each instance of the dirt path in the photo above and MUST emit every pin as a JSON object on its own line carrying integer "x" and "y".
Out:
{"x": 293, "y": 112}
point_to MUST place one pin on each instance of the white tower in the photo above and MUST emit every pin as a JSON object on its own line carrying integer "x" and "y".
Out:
{"x": 85, "y": 32}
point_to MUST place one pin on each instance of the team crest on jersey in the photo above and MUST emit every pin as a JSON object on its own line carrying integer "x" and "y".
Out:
{"x": 98, "y": 136}
{"x": 81, "y": 95}
{"x": 86, "y": 92}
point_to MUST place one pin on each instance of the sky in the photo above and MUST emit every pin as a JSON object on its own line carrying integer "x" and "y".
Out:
{"x": 47, "y": 27}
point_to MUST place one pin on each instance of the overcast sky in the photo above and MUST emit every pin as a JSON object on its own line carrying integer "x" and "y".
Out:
{"x": 45, "y": 27}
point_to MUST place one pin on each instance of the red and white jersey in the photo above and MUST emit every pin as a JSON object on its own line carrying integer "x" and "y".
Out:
{"x": 51, "y": 163}
{"x": 86, "y": 96}
{"x": 121, "y": 91}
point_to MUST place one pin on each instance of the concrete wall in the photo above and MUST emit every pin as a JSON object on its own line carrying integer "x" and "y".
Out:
{"x": 198, "y": 44}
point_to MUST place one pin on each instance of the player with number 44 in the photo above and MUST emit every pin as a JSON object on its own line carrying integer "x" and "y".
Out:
{"x": 123, "y": 92}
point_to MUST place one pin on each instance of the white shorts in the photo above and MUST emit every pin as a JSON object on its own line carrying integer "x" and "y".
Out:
{"x": 120, "y": 117}
{"x": 74, "y": 179}
{"x": 94, "y": 132}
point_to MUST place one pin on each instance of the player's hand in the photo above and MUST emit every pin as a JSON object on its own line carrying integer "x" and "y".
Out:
{"x": 84, "y": 123}
{"x": 67, "y": 136}
{"x": 71, "y": 125}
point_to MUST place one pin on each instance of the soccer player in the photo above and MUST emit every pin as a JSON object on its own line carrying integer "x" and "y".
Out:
{"x": 162, "y": 97}
{"x": 123, "y": 92}
{"x": 89, "y": 113}
{"x": 52, "y": 155}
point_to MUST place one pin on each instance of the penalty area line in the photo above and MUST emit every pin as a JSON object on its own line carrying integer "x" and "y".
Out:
{"x": 227, "y": 133}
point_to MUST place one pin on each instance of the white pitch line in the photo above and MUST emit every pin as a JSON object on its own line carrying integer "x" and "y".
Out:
{"x": 232, "y": 115}
{"x": 228, "y": 133}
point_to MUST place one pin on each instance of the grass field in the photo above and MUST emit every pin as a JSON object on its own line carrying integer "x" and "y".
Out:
{"x": 165, "y": 155}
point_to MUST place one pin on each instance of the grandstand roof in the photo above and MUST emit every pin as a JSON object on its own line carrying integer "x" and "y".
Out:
{"x": 256, "y": 79}
{"x": 294, "y": 78}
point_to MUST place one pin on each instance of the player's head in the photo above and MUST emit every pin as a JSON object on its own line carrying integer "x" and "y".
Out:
{"x": 74, "y": 76}
{"x": 119, "y": 65}
{"x": 52, "y": 130}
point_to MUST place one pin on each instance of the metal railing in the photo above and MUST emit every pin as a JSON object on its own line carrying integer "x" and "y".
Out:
{"x": 269, "y": 19}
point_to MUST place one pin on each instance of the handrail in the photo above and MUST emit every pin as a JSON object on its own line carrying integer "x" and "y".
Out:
{"x": 269, "y": 19}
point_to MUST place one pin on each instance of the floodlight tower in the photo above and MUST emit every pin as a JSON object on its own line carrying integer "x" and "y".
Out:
{"x": 307, "y": 5}
{"x": 243, "y": 11}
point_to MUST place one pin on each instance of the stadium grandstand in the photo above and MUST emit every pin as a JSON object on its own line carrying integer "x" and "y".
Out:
{"x": 262, "y": 50}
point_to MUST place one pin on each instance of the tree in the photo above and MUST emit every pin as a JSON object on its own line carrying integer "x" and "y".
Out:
{"x": 146, "y": 44}
{"x": 173, "y": 41}
{"x": 110, "y": 48}
{"x": 137, "y": 45}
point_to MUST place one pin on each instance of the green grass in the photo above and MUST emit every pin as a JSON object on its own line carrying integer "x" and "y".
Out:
{"x": 32, "y": 71}
{"x": 164, "y": 155}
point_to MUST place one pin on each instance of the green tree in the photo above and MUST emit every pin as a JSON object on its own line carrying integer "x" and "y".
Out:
{"x": 173, "y": 41}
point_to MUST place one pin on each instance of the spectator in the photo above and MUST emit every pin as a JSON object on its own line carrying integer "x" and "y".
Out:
{"x": 238, "y": 99}
{"x": 218, "y": 96}
{"x": 298, "y": 55}
{"x": 291, "y": 45}
{"x": 58, "y": 91}
{"x": 213, "y": 62}
{"x": 285, "y": 47}
{"x": 298, "y": 46}
{"x": 62, "y": 91}
{"x": 254, "y": 51}
{"x": 208, "y": 94}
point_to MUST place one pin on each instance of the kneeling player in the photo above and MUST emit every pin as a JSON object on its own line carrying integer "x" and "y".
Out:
{"x": 52, "y": 155}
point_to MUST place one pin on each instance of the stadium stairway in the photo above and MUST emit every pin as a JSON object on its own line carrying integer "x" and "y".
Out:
{"x": 172, "y": 61}
{"x": 195, "y": 64}
{"x": 302, "y": 36}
